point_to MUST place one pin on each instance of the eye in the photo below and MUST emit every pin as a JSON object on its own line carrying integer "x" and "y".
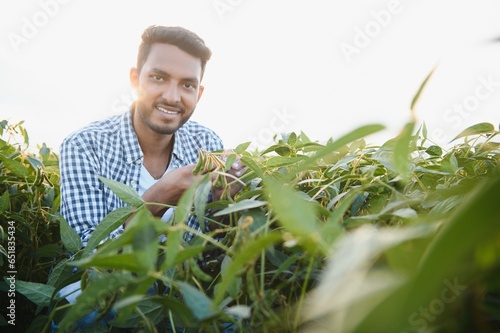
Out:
{"x": 189, "y": 85}
{"x": 158, "y": 78}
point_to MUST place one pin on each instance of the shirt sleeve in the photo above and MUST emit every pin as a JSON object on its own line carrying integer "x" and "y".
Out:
{"x": 83, "y": 201}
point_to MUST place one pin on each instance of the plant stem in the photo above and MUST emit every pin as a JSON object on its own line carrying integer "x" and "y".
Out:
{"x": 302, "y": 295}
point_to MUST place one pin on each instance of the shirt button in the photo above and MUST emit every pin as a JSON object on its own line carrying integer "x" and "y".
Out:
{"x": 129, "y": 160}
{"x": 133, "y": 183}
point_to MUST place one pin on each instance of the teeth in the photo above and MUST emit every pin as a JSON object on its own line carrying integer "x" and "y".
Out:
{"x": 167, "y": 111}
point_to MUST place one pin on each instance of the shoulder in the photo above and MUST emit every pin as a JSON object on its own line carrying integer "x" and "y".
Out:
{"x": 96, "y": 131}
{"x": 195, "y": 132}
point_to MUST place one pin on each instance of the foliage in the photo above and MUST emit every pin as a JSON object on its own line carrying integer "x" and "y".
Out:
{"x": 29, "y": 225}
{"x": 322, "y": 237}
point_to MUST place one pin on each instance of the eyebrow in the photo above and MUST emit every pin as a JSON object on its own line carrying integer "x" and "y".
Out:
{"x": 166, "y": 74}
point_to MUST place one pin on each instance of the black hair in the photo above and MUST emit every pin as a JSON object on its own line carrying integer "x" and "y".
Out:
{"x": 184, "y": 39}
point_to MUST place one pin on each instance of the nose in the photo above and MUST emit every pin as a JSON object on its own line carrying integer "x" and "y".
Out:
{"x": 171, "y": 94}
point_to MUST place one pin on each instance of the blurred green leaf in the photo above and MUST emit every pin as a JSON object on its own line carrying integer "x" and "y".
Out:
{"x": 241, "y": 205}
{"x": 61, "y": 271}
{"x": 110, "y": 222}
{"x": 475, "y": 130}
{"x": 124, "y": 192}
{"x": 97, "y": 291}
{"x": 242, "y": 147}
{"x": 185, "y": 204}
{"x": 293, "y": 212}
{"x": 420, "y": 90}
{"x": 248, "y": 253}
{"x": 69, "y": 237}
{"x": 333, "y": 146}
{"x": 5, "y": 201}
{"x": 125, "y": 261}
{"x": 434, "y": 150}
{"x": 234, "y": 288}
{"x": 38, "y": 293}
{"x": 402, "y": 150}
{"x": 145, "y": 246}
{"x": 477, "y": 218}
{"x": 250, "y": 163}
{"x": 201, "y": 306}
{"x": 174, "y": 241}
{"x": 200, "y": 200}
{"x": 15, "y": 166}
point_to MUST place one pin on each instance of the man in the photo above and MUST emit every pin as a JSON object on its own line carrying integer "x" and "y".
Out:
{"x": 153, "y": 148}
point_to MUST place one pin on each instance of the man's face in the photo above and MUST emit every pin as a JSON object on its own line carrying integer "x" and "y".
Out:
{"x": 168, "y": 88}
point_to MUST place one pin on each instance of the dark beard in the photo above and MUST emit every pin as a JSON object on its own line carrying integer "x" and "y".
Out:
{"x": 158, "y": 128}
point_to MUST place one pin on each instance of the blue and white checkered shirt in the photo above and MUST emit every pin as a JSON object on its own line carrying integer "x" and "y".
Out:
{"x": 110, "y": 148}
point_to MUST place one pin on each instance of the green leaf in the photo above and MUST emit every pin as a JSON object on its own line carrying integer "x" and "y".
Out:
{"x": 126, "y": 261}
{"x": 69, "y": 237}
{"x": 449, "y": 163}
{"x": 335, "y": 145}
{"x": 293, "y": 212}
{"x": 37, "y": 324}
{"x": 110, "y": 222}
{"x": 180, "y": 310}
{"x": 235, "y": 287}
{"x": 202, "y": 307}
{"x": 145, "y": 245}
{"x": 124, "y": 192}
{"x": 49, "y": 251}
{"x": 35, "y": 162}
{"x": 277, "y": 161}
{"x": 475, "y": 130}
{"x": 229, "y": 161}
{"x": 60, "y": 272}
{"x": 38, "y": 293}
{"x": 283, "y": 151}
{"x": 97, "y": 291}
{"x": 241, "y": 205}
{"x": 185, "y": 204}
{"x": 247, "y": 254}
{"x": 44, "y": 150}
{"x": 250, "y": 163}
{"x": 201, "y": 199}
{"x": 292, "y": 139}
{"x": 174, "y": 245}
{"x": 15, "y": 166}
{"x": 402, "y": 150}
{"x": 434, "y": 151}
{"x": 5, "y": 202}
{"x": 420, "y": 89}
{"x": 153, "y": 308}
{"x": 448, "y": 255}
{"x": 242, "y": 147}
{"x": 406, "y": 213}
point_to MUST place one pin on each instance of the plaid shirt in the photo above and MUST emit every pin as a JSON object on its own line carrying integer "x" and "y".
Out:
{"x": 110, "y": 148}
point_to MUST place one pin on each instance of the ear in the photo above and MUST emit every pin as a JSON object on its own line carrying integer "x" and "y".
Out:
{"x": 134, "y": 78}
{"x": 200, "y": 92}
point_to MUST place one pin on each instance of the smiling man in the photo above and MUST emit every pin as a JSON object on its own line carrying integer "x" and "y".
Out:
{"x": 153, "y": 147}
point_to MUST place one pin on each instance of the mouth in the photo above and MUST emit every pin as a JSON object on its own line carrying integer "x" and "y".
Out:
{"x": 168, "y": 110}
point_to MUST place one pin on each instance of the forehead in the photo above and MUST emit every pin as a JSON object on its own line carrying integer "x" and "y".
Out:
{"x": 173, "y": 60}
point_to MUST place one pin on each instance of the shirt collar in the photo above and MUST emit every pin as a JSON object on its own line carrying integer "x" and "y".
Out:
{"x": 180, "y": 140}
{"x": 130, "y": 143}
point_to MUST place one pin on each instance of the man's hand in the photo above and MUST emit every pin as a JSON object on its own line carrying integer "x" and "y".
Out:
{"x": 169, "y": 188}
{"x": 237, "y": 169}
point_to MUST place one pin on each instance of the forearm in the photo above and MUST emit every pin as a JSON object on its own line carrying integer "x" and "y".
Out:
{"x": 167, "y": 191}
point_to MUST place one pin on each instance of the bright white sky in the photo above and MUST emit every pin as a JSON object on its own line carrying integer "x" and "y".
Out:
{"x": 324, "y": 67}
